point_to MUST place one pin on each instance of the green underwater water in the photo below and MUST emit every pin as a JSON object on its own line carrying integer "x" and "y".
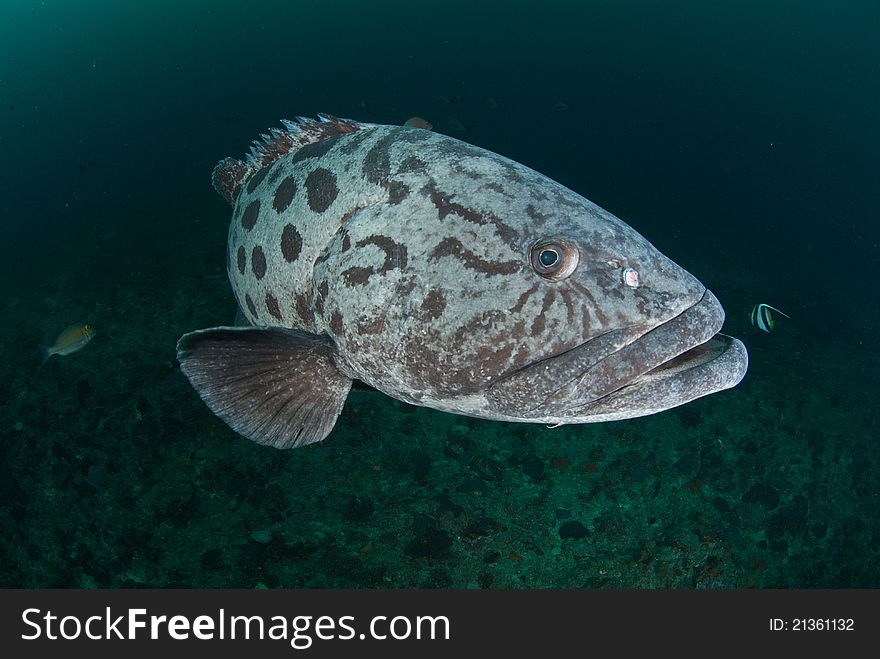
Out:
{"x": 741, "y": 140}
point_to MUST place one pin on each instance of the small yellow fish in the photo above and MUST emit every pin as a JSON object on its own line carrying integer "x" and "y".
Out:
{"x": 70, "y": 340}
{"x": 418, "y": 122}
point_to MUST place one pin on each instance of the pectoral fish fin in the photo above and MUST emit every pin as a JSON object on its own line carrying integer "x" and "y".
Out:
{"x": 277, "y": 387}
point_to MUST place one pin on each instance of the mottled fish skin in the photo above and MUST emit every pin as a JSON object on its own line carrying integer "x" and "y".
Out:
{"x": 411, "y": 250}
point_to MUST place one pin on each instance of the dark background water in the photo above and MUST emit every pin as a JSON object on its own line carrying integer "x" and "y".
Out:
{"x": 753, "y": 123}
{"x": 741, "y": 138}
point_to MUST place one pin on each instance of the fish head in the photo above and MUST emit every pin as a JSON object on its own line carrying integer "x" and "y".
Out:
{"x": 621, "y": 330}
{"x": 488, "y": 289}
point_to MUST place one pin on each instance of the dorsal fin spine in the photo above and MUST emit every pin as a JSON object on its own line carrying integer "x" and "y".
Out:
{"x": 230, "y": 175}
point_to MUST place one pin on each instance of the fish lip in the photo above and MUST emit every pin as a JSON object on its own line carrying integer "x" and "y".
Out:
{"x": 717, "y": 364}
{"x": 675, "y": 362}
{"x": 663, "y": 343}
{"x": 677, "y": 353}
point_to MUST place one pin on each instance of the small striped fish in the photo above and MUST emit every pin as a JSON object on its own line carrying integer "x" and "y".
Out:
{"x": 763, "y": 319}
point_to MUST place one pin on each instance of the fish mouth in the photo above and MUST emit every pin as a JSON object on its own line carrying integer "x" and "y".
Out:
{"x": 628, "y": 372}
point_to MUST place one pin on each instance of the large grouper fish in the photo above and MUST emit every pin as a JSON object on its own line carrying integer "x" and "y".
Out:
{"x": 443, "y": 275}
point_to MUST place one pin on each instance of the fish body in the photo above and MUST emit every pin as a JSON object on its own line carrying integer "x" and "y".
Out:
{"x": 443, "y": 275}
{"x": 762, "y": 317}
{"x": 70, "y": 340}
{"x": 418, "y": 122}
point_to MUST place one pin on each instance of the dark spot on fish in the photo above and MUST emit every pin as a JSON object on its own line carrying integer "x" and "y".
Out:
{"x": 494, "y": 360}
{"x": 588, "y": 295}
{"x": 495, "y": 187}
{"x": 395, "y": 258}
{"x": 258, "y": 262}
{"x": 373, "y": 327}
{"x": 565, "y": 294}
{"x": 323, "y": 290}
{"x": 395, "y": 253}
{"x": 567, "y": 200}
{"x": 537, "y": 194}
{"x": 397, "y": 192}
{"x": 510, "y": 172}
{"x": 314, "y": 149}
{"x": 256, "y": 179}
{"x": 467, "y": 171}
{"x": 291, "y": 243}
{"x": 304, "y": 311}
{"x": 336, "y": 322}
{"x": 357, "y": 276}
{"x": 480, "y": 322}
{"x": 404, "y": 290}
{"x": 540, "y": 321}
{"x": 454, "y": 149}
{"x": 284, "y": 195}
{"x": 585, "y": 320}
{"x": 250, "y": 305}
{"x": 242, "y": 259}
{"x": 445, "y": 207}
{"x": 490, "y": 326}
{"x": 535, "y": 214}
{"x": 277, "y": 170}
{"x": 521, "y": 301}
{"x": 412, "y": 165}
{"x": 346, "y": 243}
{"x": 249, "y": 217}
{"x": 272, "y": 306}
{"x": 321, "y": 189}
{"x": 453, "y": 247}
{"x": 433, "y": 304}
{"x": 377, "y": 162}
{"x": 352, "y": 142}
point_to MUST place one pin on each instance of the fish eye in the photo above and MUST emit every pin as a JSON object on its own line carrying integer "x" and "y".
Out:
{"x": 88, "y": 328}
{"x": 554, "y": 258}
{"x": 548, "y": 257}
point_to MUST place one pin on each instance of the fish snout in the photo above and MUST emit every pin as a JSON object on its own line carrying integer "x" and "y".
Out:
{"x": 685, "y": 352}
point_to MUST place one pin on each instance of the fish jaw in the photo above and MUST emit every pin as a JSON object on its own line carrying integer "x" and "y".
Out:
{"x": 714, "y": 366}
{"x": 628, "y": 372}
